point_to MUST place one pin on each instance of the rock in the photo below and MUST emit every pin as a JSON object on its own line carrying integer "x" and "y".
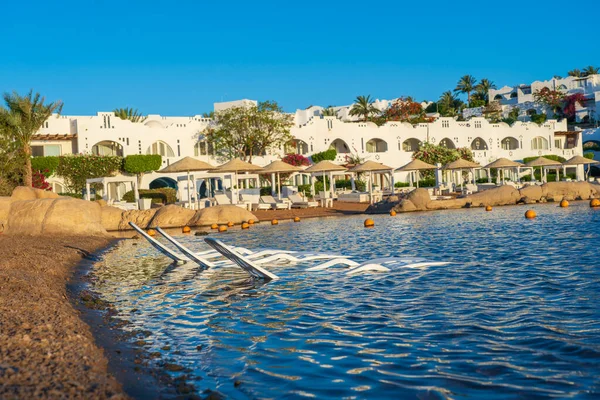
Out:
{"x": 141, "y": 218}
{"x": 102, "y": 202}
{"x": 221, "y": 215}
{"x": 4, "y": 209}
{"x": 171, "y": 216}
{"x": 420, "y": 198}
{"x": 447, "y": 204}
{"x": 392, "y": 199}
{"x": 556, "y": 191}
{"x": 532, "y": 193}
{"x": 405, "y": 206}
{"x": 500, "y": 196}
{"x": 200, "y": 233}
{"x": 29, "y": 193}
{"x": 62, "y": 215}
{"x": 111, "y": 218}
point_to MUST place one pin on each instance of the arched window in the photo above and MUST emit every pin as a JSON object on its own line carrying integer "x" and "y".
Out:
{"x": 160, "y": 147}
{"x": 479, "y": 144}
{"x": 340, "y": 146}
{"x": 107, "y": 148}
{"x": 447, "y": 143}
{"x": 411, "y": 144}
{"x": 562, "y": 87}
{"x": 510, "y": 143}
{"x": 514, "y": 95}
{"x": 498, "y": 97}
{"x": 539, "y": 143}
{"x": 203, "y": 148}
{"x": 296, "y": 146}
{"x": 376, "y": 146}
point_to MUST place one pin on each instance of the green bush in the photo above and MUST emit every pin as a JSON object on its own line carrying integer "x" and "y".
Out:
{"x": 589, "y": 156}
{"x": 75, "y": 169}
{"x": 422, "y": 183}
{"x": 538, "y": 118}
{"x": 324, "y": 155}
{"x": 142, "y": 163}
{"x": 46, "y": 165}
{"x": 162, "y": 195}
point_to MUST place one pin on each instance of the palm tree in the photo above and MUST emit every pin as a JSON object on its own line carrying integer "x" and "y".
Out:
{"x": 590, "y": 70}
{"x": 22, "y": 118}
{"x": 574, "y": 72}
{"x": 448, "y": 104}
{"x": 129, "y": 113}
{"x": 363, "y": 106}
{"x": 466, "y": 84}
{"x": 329, "y": 112}
{"x": 483, "y": 89}
{"x": 209, "y": 115}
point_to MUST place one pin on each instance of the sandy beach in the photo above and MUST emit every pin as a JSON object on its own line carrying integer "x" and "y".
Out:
{"x": 338, "y": 209}
{"x": 46, "y": 351}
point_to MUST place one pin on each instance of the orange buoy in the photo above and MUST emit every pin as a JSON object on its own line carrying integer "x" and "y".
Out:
{"x": 392, "y": 213}
{"x": 595, "y": 203}
{"x": 222, "y": 228}
{"x": 151, "y": 232}
{"x": 296, "y": 219}
{"x": 488, "y": 208}
{"x": 274, "y": 222}
{"x": 214, "y": 226}
{"x": 369, "y": 223}
{"x": 186, "y": 229}
{"x": 250, "y": 222}
{"x": 564, "y": 203}
{"x": 530, "y": 214}
{"x": 230, "y": 224}
{"x": 245, "y": 225}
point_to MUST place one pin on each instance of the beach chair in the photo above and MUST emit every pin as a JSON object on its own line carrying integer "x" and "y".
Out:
{"x": 255, "y": 202}
{"x": 298, "y": 202}
{"x": 246, "y": 264}
{"x": 222, "y": 199}
{"x": 377, "y": 264}
{"x": 159, "y": 246}
{"x": 275, "y": 204}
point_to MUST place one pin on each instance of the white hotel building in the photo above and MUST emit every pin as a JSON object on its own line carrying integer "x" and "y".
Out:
{"x": 392, "y": 144}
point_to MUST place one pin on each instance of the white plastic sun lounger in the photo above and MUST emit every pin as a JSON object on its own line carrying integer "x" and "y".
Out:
{"x": 377, "y": 264}
{"x": 159, "y": 246}
{"x": 244, "y": 263}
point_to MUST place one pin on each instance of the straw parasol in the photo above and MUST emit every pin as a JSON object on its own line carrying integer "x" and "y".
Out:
{"x": 415, "y": 165}
{"x": 461, "y": 164}
{"x": 236, "y": 165}
{"x": 323, "y": 167}
{"x": 578, "y": 160}
{"x": 503, "y": 163}
{"x": 277, "y": 167}
{"x": 370, "y": 167}
{"x": 542, "y": 162}
{"x": 187, "y": 164}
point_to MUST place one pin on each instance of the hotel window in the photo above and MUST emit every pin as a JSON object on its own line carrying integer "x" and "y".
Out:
{"x": 558, "y": 143}
{"x": 539, "y": 143}
{"x": 45, "y": 150}
{"x": 160, "y": 148}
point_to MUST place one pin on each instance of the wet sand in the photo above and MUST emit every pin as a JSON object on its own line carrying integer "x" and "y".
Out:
{"x": 46, "y": 350}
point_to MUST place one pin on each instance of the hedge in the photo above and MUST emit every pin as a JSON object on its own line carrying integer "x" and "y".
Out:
{"x": 46, "y": 165}
{"x": 330, "y": 155}
{"x": 75, "y": 169}
{"x": 422, "y": 183}
{"x": 162, "y": 195}
{"x": 142, "y": 163}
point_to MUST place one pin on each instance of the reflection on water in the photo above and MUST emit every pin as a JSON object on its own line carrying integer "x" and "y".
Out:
{"x": 515, "y": 315}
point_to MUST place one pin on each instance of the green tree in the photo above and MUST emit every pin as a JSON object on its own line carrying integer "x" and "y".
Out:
{"x": 449, "y": 105}
{"x": 434, "y": 154}
{"x": 131, "y": 114}
{"x": 139, "y": 164}
{"x": 574, "y": 72}
{"x": 590, "y": 70}
{"x": 549, "y": 98}
{"x": 247, "y": 131}
{"x": 21, "y": 119}
{"x": 482, "y": 89}
{"x": 329, "y": 112}
{"x": 209, "y": 115}
{"x": 466, "y": 84}
{"x": 363, "y": 107}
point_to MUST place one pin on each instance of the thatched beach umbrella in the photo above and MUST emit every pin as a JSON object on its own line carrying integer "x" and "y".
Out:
{"x": 578, "y": 160}
{"x": 187, "y": 164}
{"x": 543, "y": 163}
{"x": 461, "y": 164}
{"x": 323, "y": 167}
{"x": 236, "y": 165}
{"x": 278, "y": 167}
{"x": 415, "y": 166}
{"x": 370, "y": 167}
{"x": 501, "y": 164}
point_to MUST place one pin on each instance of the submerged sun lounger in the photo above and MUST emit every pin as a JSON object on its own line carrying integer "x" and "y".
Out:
{"x": 377, "y": 264}
{"x": 245, "y": 263}
{"x": 159, "y": 246}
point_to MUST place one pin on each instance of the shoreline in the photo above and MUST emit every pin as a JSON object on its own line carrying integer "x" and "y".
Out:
{"x": 46, "y": 349}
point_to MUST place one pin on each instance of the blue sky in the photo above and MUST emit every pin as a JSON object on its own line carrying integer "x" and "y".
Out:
{"x": 178, "y": 57}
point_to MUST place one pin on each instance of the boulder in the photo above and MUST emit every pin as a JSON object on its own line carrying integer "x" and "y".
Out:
{"x": 29, "y": 193}
{"x": 141, "y": 218}
{"x": 26, "y": 217}
{"x": 420, "y": 198}
{"x": 447, "y": 204}
{"x": 4, "y": 209}
{"x": 172, "y": 216}
{"x": 221, "y": 215}
{"x": 500, "y": 196}
{"x": 532, "y": 194}
{"x": 405, "y": 206}
{"x": 68, "y": 216}
{"x": 110, "y": 218}
{"x": 556, "y": 191}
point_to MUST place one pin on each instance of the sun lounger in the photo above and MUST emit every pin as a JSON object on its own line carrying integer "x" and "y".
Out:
{"x": 377, "y": 264}
{"x": 275, "y": 204}
{"x": 298, "y": 202}
{"x": 243, "y": 262}
{"x": 159, "y": 246}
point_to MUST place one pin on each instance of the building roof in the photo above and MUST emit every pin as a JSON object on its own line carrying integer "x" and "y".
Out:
{"x": 54, "y": 136}
{"x": 566, "y": 133}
